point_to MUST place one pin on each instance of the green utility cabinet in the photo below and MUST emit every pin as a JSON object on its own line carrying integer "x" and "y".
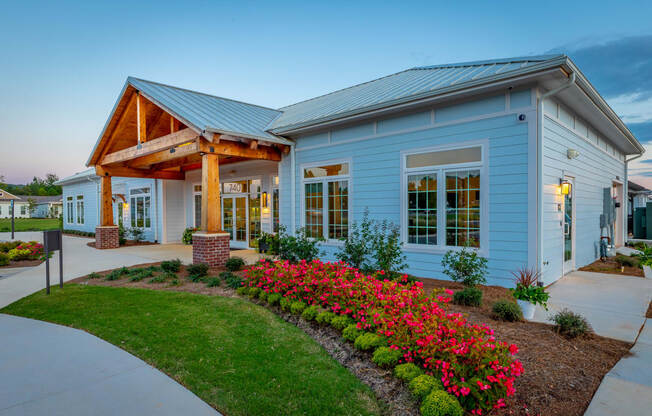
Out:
{"x": 642, "y": 216}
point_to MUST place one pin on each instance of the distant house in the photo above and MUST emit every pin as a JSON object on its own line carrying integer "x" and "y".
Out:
{"x": 46, "y": 206}
{"x": 519, "y": 158}
{"x": 21, "y": 206}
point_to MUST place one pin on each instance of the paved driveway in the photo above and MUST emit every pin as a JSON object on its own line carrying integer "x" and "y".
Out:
{"x": 48, "y": 369}
{"x": 614, "y": 305}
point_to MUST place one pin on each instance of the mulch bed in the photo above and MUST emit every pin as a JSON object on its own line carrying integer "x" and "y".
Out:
{"x": 561, "y": 375}
{"x": 22, "y": 263}
{"x": 610, "y": 266}
{"x": 129, "y": 243}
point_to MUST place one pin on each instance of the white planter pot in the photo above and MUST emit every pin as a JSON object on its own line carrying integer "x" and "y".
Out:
{"x": 527, "y": 308}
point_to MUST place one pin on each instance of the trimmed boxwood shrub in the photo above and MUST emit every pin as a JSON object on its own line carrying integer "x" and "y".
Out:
{"x": 440, "y": 403}
{"x": 422, "y": 385}
{"x": 386, "y": 357}
{"x": 324, "y": 317}
{"x": 310, "y": 313}
{"x": 273, "y": 298}
{"x": 368, "y": 341}
{"x": 469, "y": 296}
{"x": 351, "y": 332}
{"x": 233, "y": 264}
{"x": 341, "y": 322}
{"x": 285, "y": 303}
{"x": 507, "y": 311}
{"x": 243, "y": 290}
{"x": 262, "y": 295}
{"x": 297, "y": 307}
{"x": 253, "y": 292}
{"x": 407, "y": 371}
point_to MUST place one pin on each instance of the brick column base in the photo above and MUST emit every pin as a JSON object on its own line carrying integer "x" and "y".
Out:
{"x": 211, "y": 249}
{"x": 107, "y": 237}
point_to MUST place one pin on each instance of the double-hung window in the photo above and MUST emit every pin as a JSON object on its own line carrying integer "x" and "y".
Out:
{"x": 80, "y": 209}
{"x": 70, "y": 214}
{"x": 140, "y": 207}
{"x": 442, "y": 197}
{"x": 275, "y": 204}
{"x": 326, "y": 200}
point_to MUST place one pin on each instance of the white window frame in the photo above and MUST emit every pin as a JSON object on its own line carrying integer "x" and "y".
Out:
{"x": 70, "y": 209}
{"x": 131, "y": 204}
{"x": 79, "y": 220}
{"x": 324, "y": 180}
{"x": 275, "y": 187}
{"x": 194, "y": 204}
{"x": 441, "y": 171}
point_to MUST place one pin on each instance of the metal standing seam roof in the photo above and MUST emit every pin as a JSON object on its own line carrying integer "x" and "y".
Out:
{"x": 406, "y": 84}
{"x": 211, "y": 113}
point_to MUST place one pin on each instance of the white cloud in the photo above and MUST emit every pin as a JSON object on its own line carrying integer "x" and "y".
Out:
{"x": 631, "y": 108}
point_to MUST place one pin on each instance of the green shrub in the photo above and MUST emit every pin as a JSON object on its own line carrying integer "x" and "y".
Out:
{"x": 466, "y": 266}
{"x": 626, "y": 261}
{"x": 253, "y": 292}
{"x": 233, "y": 264}
{"x": 295, "y": 248}
{"x": 469, "y": 296}
{"x": 351, "y": 332}
{"x": 232, "y": 280}
{"x": 507, "y": 311}
{"x": 117, "y": 274}
{"x": 310, "y": 313}
{"x": 533, "y": 294}
{"x": 440, "y": 403}
{"x": 94, "y": 276}
{"x": 324, "y": 317}
{"x": 368, "y": 341}
{"x": 187, "y": 235}
{"x": 158, "y": 279}
{"x": 571, "y": 324}
{"x": 297, "y": 307}
{"x": 341, "y": 322}
{"x": 213, "y": 282}
{"x": 386, "y": 357}
{"x": 194, "y": 278}
{"x": 285, "y": 303}
{"x": 422, "y": 385}
{"x": 174, "y": 282}
{"x": 4, "y": 259}
{"x": 199, "y": 269}
{"x": 263, "y": 295}
{"x": 171, "y": 265}
{"x": 273, "y": 298}
{"x": 407, "y": 371}
{"x": 242, "y": 290}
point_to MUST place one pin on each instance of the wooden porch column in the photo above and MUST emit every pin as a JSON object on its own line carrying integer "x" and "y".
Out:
{"x": 107, "y": 202}
{"x": 211, "y": 211}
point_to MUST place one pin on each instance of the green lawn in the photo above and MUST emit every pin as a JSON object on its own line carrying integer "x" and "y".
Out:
{"x": 237, "y": 356}
{"x": 29, "y": 224}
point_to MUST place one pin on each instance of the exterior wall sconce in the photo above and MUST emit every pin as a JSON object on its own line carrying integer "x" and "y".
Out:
{"x": 564, "y": 187}
{"x": 572, "y": 154}
{"x": 264, "y": 199}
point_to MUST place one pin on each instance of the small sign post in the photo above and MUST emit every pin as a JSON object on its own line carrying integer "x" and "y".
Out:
{"x": 12, "y": 219}
{"x": 52, "y": 241}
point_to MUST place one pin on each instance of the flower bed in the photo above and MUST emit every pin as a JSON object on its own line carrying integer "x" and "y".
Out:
{"x": 472, "y": 365}
{"x": 19, "y": 251}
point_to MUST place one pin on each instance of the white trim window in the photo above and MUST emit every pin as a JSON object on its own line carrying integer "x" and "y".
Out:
{"x": 444, "y": 200}
{"x": 196, "y": 205}
{"x": 80, "y": 209}
{"x": 70, "y": 214}
{"x": 326, "y": 208}
{"x": 140, "y": 204}
{"x": 275, "y": 204}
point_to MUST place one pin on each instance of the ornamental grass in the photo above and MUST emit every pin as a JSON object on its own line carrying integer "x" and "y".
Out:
{"x": 471, "y": 364}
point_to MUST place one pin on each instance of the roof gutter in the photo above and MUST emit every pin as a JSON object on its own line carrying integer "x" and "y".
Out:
{"x": 540, "y": 117}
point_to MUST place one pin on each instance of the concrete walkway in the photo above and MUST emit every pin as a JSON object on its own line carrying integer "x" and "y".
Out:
{"x": 80, "y": 260}
{"x": 48, "y": 369}
{"x": 614, "y": 305}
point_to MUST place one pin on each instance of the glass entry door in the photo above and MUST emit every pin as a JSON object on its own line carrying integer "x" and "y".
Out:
{"x": 234, "y": 219}
{"x": 569, "y": 227}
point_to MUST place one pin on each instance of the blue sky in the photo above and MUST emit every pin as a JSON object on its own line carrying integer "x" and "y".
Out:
{"x": 63, "y": 64}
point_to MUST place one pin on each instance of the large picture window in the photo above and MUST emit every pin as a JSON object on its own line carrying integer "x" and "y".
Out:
{"x": 140, "y": 202}
{"x": 326, "y": 201}
{"x": 80, "y": 209}
{"x": 443, "y": 198}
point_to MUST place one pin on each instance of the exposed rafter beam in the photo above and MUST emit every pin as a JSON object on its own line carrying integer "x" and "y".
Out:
{"x": 116, "y": 127}
{"x": 126, "y": 172}
{"x": 141, "y": 113}
{"x": 162, "y": 143}
{"x": 165, "y": 155}
{"x": 229, "y": 148}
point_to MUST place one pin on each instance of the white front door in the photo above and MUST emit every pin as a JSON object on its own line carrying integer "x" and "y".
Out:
{"x": 568, "y": 227}
{"x": 235, "y": 219}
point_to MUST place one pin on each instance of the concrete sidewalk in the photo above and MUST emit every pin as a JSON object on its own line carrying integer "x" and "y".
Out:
{"x": 48, "y": 369}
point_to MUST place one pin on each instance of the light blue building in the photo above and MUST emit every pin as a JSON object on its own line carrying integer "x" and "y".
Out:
{"x": 518, "y": 157}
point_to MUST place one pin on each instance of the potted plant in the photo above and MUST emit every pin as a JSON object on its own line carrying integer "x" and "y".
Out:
{"x": 528, "y": 293}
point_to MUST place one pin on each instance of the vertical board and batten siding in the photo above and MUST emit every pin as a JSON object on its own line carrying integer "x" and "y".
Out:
{"x": 375, "y": 147}
{"x": 596, "y": 167}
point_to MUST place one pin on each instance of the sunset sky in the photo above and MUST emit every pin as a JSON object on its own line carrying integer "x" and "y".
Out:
{"x": 64, "y": 63}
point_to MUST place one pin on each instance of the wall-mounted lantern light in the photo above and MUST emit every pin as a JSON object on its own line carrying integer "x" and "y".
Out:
{"x": 264, "y": 199}
{"x": 564, "y": 187}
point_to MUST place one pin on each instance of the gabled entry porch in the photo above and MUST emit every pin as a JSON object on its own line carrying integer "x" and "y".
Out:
{"x": 162, "y": 132}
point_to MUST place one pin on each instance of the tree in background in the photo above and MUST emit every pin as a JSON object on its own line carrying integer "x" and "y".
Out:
{"x": 31, "y": 206}
{"x": 38, "y": 186}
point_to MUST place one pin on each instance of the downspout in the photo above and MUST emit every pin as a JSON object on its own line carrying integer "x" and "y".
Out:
{"x": 540, "y": 118}
{"x": 626, "y": 197}
{"x": 157, "y": 206}
{"x": 293, "y": 187}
